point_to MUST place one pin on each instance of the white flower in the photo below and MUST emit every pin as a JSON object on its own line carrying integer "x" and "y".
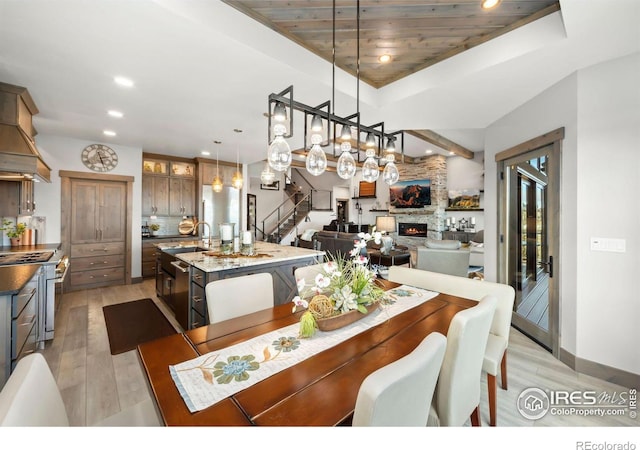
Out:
{"x": 301, "y": 284}
{"x": 322, "y": 281}
{"x": 330, "y": 267}
{"x": 360, "y": 259}
{"x": 297, "y": 301}
{"x": 377, "y": 236}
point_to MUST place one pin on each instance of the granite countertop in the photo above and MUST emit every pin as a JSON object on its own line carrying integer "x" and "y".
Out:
{"x": 169, "y": 236}
{"x": 13, "y": 278}
{"x": 277, "y": 253}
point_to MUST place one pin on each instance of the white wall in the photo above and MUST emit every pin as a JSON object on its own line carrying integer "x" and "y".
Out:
{"x": 599, "y": 107}
{"x": 63, "y": 153}
{"x": 608, "y": 206}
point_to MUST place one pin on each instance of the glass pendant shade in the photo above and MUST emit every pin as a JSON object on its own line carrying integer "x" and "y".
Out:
{"x": 316, "y": 159}
{"x": 346, "y": 166}
{"x": 370, "y": 172}
{"x": 216, "y": 184}
{"x": 391, "y": 146}
{"x": 390, "y": 174}
{"x": 316, "y": 123}
{"x": 371, "y": 140}
{"x": 237, "y": 181}
{"x": 267, "y": 176}
{"x": 279, "y": 153}
{"x": 345, "y": 133}
{"x": 280, "y": 112}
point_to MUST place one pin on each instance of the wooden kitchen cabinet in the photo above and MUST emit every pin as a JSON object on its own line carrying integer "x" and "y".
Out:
{"x": 168, "y": 186}
{"x": 182, "y": 197}
{"x": 155, "y": 195}
{"x": 98, "y": 234}
{"x": 17, "y": 198}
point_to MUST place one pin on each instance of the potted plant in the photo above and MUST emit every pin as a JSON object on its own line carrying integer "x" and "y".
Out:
{"x": 14, "y": 233}
{"x": 154, "y": 227}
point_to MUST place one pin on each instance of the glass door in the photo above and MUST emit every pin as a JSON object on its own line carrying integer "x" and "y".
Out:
{"x": 531, "y": 215}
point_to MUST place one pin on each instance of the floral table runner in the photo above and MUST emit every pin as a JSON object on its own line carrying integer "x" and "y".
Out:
{"x": 212, "y": 377}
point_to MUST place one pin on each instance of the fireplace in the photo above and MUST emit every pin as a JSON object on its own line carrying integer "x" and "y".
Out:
{"x": 412, "y": 229}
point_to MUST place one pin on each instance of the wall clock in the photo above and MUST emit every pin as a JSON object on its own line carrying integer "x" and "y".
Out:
{"x": 99, "y": 158}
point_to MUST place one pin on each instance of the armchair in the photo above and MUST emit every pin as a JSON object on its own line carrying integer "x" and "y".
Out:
{"x": 444, "y": 256}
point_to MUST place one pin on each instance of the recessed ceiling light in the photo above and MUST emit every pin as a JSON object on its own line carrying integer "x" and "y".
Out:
{"x": 109, "y": 133}
{"x": 205, "y": 153}
{"x": 452, "y": 153}
{"x": 429, "y": 151}
{"x": 122, "y": 81}
{"x": 114, "y": 113}
{"x": 384, "y": 58}
{"x": 488, "y": 4}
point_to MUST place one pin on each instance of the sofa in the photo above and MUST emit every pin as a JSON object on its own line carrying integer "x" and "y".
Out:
{"x": 332, "y": 242}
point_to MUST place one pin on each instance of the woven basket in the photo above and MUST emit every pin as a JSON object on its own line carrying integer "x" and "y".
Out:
{"x": 344, "y": 319}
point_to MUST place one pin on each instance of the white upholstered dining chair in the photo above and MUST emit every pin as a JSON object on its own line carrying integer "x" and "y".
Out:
{"x": 237, "y": 296}
{"x": 496, "y": 353}
{"x": 457, "y": 395}
{"x": 400, "y": 393}
{"x": 308, "y": 273}
{"x": 31, "y": 398}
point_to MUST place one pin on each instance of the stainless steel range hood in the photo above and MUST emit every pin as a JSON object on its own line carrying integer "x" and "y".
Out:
{"x": 19, "y": 157}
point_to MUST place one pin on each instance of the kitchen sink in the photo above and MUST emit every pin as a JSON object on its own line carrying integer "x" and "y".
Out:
{"x": 184, "y": 249}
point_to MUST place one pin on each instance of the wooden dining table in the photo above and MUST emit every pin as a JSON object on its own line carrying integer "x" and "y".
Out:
{"x": 318, "y": 391}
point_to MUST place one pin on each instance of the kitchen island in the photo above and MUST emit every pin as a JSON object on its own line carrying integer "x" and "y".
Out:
{"x": 197, "y": 266}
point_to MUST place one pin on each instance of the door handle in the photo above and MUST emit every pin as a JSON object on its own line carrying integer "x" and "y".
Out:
{"x": 548, "y": 265}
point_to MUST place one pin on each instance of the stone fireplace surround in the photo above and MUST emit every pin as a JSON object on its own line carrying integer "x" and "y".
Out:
{"x": 432, "y": 168}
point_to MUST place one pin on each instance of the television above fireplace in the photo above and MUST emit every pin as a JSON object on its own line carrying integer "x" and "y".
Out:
{"x": 410, "y": 194}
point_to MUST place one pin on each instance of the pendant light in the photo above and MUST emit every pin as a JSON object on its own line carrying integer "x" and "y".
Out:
{"x": 346, "y": 165}
{"x": 237, "y": 180}
{"x": 267, "y": 176}
{"x": 216, "y": 184}
{"x": 316, "y": 162}
{"x": 390, "y": 174}
{"x": 279, "y": 154}
{"x": 370, "y": 172}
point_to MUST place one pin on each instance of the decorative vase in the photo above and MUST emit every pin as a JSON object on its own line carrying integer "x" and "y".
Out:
{"x": 15, "y": 241}
{"x": 344, "y": 319}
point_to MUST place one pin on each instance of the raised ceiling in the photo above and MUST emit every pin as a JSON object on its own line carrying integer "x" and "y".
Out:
{"x": 415, "y": 34}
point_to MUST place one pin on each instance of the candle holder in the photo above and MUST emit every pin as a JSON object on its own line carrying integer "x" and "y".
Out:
{"x": 226, "y": 238}
{"x": 246, "y": 245}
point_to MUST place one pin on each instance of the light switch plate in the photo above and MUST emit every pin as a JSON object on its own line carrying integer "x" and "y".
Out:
{"x": 608, "y": 245}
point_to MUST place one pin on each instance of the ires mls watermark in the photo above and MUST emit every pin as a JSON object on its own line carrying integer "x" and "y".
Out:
{"x": 534, "y": 403}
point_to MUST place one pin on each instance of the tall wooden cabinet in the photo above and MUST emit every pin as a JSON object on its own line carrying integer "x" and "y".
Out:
{"x": 168, "y": 187}
{"x": 96, "y": 229}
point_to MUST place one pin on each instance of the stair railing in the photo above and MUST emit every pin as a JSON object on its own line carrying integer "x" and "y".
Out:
{"x": 281, "y": 216}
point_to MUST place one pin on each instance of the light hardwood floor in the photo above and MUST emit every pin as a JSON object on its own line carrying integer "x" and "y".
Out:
{"x": 95, "y": 384}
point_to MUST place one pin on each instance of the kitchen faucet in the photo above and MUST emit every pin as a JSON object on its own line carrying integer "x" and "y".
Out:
{"x": 209, "y": 227}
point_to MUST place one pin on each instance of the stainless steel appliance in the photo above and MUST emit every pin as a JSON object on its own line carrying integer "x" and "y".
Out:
{"x": 54, "y": 269}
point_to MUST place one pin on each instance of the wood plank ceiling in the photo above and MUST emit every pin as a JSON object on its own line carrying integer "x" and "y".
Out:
{"x": 416, "y": 34}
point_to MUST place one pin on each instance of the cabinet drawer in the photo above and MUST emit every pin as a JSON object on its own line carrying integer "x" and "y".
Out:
{"x": 96, "y": 262}
{"x": 198, "y": 276}
{"x": 107, "y": 248}
{"x": 26, "y": 294}
{"x": 97, "y": 276}
{"x": 148, "y": 269}
{"x": 22, "y": 326}
{"x": 198, "y": 301}
{"x": 197, "y": 320}
{"x": 149, "y": 253}
{"x": 29, "y": 346}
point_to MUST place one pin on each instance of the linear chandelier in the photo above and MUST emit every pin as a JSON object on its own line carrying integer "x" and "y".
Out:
{"x": 322, "y": 124}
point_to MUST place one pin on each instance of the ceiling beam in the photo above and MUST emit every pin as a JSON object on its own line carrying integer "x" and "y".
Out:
{"x": 441, "y": 141}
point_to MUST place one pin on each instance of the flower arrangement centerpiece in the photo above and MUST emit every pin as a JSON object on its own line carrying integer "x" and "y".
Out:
{"x": 344, "y": 286}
